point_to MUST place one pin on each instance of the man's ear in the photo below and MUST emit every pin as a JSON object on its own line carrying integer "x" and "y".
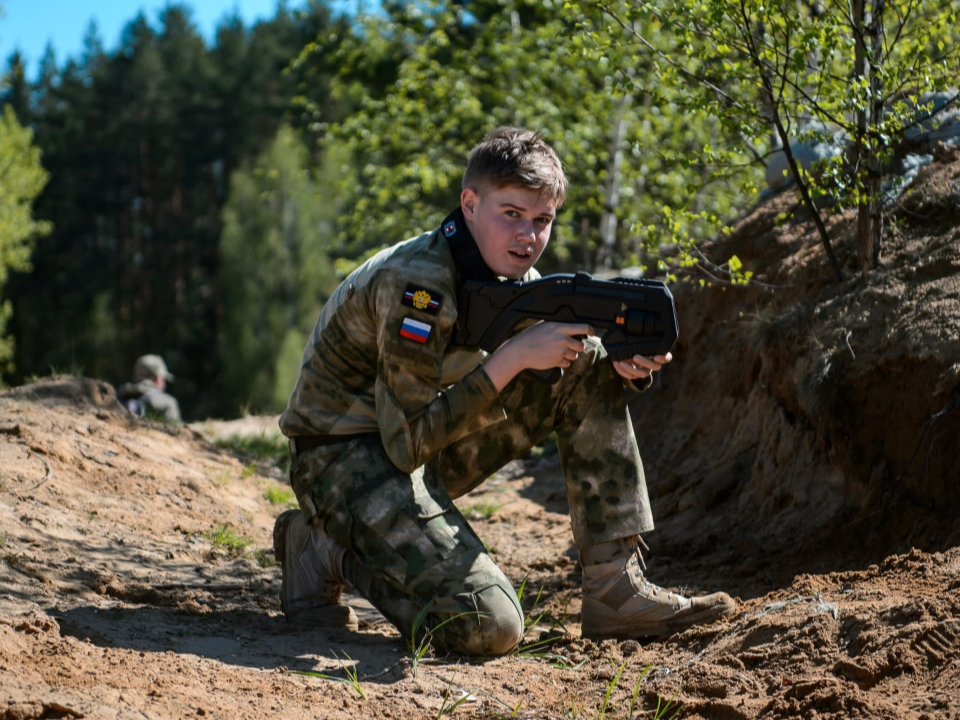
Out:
{"x": 468, "y": 203}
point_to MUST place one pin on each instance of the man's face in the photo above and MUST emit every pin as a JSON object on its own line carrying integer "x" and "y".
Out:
{"x": 511, "y": 226}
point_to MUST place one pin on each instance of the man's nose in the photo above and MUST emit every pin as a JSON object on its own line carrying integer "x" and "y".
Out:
{"x": 527, "y": 232}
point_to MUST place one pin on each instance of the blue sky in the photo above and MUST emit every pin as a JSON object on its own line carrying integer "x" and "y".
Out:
{"x": 31, "y": 24}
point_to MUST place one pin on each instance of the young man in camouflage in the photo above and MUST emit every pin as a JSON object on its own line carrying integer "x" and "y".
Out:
{"x": 388, "y": 421}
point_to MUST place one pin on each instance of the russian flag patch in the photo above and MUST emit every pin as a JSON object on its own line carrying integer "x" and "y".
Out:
{"x": 415, "y": 330}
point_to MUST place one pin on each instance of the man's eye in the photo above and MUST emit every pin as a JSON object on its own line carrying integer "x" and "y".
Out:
{"x": 544, "y": 220}
{"x": 513, "y": 213}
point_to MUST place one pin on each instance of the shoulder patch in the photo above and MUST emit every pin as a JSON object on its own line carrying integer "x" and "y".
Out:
{"x": 415, "y": 330}
{"x": 420, "y": 298}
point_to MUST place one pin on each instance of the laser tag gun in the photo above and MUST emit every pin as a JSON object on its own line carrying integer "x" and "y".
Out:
{"x": 630, "y": 316}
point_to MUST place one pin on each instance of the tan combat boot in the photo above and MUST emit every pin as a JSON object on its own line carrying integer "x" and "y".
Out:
{"x": 619, "y": 602}
{"x": 312, "y": 563}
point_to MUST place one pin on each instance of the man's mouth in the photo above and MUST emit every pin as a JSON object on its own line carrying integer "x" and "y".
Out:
{"x": 520, "y": 254}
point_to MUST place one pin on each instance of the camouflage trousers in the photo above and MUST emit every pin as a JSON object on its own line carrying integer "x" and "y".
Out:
{"x": 411, "y": 552}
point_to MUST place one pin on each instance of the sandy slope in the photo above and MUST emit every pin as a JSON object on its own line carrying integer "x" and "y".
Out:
{"x": 114, "y": 604}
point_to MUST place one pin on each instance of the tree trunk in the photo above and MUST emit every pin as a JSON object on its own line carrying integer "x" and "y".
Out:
{"x": 608, "y": 251}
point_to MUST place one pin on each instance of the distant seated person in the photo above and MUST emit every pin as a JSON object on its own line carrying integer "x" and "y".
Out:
{"x": 146, "y": 396}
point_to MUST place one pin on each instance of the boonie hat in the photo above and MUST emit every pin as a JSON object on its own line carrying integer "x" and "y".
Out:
{"x": 148, "y": 367}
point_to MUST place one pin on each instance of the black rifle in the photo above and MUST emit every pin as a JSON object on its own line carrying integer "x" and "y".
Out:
{"x": 630, "y": 316}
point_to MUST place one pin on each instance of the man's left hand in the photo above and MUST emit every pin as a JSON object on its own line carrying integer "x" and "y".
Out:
{"x": 640, "y": 367}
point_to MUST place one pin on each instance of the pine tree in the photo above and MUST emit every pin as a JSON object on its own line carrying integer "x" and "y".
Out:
{"x": 22, "y": 177}
{"x": 274, "y": 272}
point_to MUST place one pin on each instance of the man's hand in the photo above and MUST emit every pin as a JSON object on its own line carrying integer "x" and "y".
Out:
{"x": 640, "y": 367}
{"x": 542, "y": 346}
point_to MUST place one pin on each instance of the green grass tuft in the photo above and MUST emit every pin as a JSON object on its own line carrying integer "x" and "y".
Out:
{"x": 265, "y": 448}
{"x": 482, "y": 510}
{"x": 225, "y": 537}
{"x": 280, "y": 496}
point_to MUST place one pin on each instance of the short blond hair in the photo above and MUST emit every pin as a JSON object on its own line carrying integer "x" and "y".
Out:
{"x": 510, "y": 156}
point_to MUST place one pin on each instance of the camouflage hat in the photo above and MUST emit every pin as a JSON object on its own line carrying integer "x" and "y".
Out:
{"x": 148, "y": 367}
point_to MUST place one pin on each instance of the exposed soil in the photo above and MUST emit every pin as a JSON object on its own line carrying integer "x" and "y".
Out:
{"x": 802, "y": 453}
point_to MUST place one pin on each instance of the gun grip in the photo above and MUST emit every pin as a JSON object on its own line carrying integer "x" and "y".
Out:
{"x": 548, "y": 377}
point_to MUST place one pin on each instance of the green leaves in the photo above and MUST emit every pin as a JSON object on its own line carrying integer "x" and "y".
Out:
{"x": 22, "y": 178}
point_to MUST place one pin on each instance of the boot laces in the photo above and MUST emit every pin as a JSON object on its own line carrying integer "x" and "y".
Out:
{"x": 632, "y": 545}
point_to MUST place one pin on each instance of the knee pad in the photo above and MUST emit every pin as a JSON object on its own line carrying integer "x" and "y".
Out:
{"x": 491, "y": 623}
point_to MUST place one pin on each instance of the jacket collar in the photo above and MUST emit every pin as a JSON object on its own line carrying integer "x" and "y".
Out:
{"x": 466, "y": 254}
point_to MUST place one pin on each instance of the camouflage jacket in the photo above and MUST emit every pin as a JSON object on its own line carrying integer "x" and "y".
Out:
{"x": 380, "y": 357}
{"x": 145, "y": 398}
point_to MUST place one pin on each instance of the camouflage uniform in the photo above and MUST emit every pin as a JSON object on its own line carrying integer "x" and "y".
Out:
{"x": 422, "y": 423}
{"x": 156, "y": 402}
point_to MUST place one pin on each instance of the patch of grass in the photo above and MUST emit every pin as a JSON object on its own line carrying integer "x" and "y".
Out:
{"x": 225, "y": 537}
{"x": 280, "y": 496}
{"x": 265, "y": 448}
{"x": 541, "y": 648}
{"x": 248, "y": 471}
{"x": 352, "y": 679}
{"x": 265, "y": 559}
{"x": 13, "y": 560}
{"x": 482, "y": 510}
{"x": 222, "y": 478}
{"x": 54, "y": 371}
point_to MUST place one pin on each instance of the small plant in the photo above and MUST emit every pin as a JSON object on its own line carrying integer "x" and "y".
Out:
{"x": 420, "y": 636}
{"x": 529, "y": 621}
{"x": 352, "y": 678}
{"x": 223, "y": 478}
{"x": 280, "y": 496}
{"x": 482, "y": 510}
{"x": 610, "y": 687}
{"x": 663, "y": 707}
{"x": 225, "y": 537}
{"x": 248, "y": 471}
{"x": 540, "y": 649}
{"x": 576, "y": 711}
{"x": 465, "y": 697}
{"x": 13, "y": 560}
{"x": 636, "y": 688}
{"x": 265, "y": 559}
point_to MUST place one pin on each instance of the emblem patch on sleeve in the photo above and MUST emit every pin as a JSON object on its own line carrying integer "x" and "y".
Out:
{"x": 415, "y": 330}
{"x": 420, "y": 298}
